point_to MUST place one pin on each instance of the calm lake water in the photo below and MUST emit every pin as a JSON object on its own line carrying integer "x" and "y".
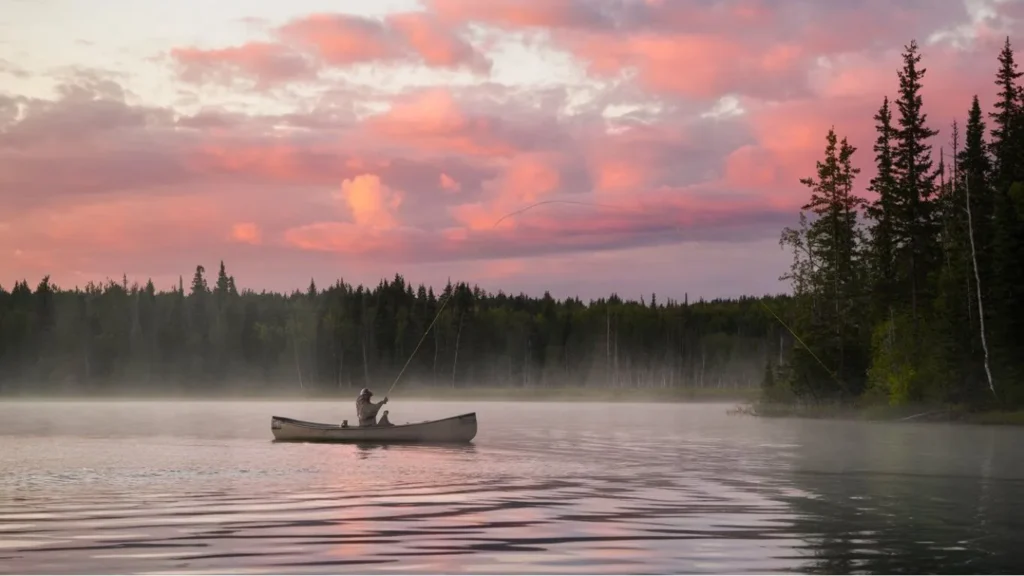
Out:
{"x": 182, "y": 487}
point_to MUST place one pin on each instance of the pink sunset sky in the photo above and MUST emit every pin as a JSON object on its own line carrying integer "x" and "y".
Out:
{"x": 359, "y": 139}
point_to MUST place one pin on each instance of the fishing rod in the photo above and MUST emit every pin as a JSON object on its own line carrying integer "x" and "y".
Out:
{"x": 420, "y": 343}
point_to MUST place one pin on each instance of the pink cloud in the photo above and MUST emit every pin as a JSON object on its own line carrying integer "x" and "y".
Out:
{"x": 516, "y": 13}
{"x": 372, "y": 205}
{"x": 526, "y": 179}
{"x": 695, "y": 65}
{"x": 705, "y": 50}
{"x": 375, "y": 226}
{"x": 620, "y": 174}
{"x": 282, "y": 162}
{"x": 335, "y": 40}
{"x": 247, "y": 233}
{"x": 449, "y": 184}
{"x": 342, "y": 40}
{"x": 267, "y": 62}
{"x": 343, "y": 238}
{"x": 531, "y": 177}
{"x": 425, "y": 179}
{"x": 89, "y": 236}
{"x": 436, "y": 44}
{"x": 434, "y": 121}
{"x": 636, "y": 159}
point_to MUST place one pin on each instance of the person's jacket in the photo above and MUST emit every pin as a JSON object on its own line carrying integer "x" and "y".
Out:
{"x": 366, "y": 411}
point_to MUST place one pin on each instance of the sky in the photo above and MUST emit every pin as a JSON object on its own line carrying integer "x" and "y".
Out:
{"x": 327, "y": 139}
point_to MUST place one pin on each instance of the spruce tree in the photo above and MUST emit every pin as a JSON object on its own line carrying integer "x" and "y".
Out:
{"x": 916, "y": 247}
{"x": 974, "y": 170}
{"x": 1005, "y": 119}
{"x": 831, "y": 280}
{"x": 1008, "y": 242}
{"x": 882, "y": 212}
{"x": 949, "y": 357}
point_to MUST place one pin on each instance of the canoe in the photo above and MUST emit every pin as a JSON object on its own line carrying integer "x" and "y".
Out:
{"x": 457, "y": 429}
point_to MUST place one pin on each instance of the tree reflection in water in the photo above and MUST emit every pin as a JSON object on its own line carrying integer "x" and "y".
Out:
{"x": 881, "y": 507}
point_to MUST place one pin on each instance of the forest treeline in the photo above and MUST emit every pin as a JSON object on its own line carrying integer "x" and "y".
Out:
{"x": 207, "y": 336}
{"x": 917, "y": 295}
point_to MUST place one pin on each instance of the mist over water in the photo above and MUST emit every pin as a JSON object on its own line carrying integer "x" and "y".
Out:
{"x": 146, "y": 487}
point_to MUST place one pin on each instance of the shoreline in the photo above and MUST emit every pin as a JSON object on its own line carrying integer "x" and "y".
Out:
{"x": 935, "y": 414}
{"x": 481, "y": 394}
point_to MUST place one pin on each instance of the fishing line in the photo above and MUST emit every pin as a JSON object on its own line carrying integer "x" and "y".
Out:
{"x": 420, "y": 343}
{"x": 599, "y": 205}
{"x": 452, "y": 294}
{"x": 802, "y": 343}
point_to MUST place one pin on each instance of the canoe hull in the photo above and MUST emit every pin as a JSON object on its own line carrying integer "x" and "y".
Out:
{"x": 455, "y": 430}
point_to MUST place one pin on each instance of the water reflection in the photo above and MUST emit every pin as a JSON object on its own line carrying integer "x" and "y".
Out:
{"x": 544, "y": 488}
{"x": 910, "y": 499}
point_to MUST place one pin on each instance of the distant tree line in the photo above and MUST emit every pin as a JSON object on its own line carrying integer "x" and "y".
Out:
{"x": 200, "y": 338}
{"x": 918, "y": 295}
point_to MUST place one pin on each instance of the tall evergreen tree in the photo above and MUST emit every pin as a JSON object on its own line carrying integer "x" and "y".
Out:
{"x": 834, "y": 280}
{"x": 917, "y": 247}
{"x": 974, "y": 171}
{"x": 1006, "y": 145}
{"x": 1008, "y": 243}
{"x": 884, "y": 215}
{"x": 950, "y": 359}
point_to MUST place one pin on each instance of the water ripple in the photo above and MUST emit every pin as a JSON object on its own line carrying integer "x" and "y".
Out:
{"x": 685, "y": 494}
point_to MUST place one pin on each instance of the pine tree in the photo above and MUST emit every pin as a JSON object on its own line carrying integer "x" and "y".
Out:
{"x": 916, "y": 247}
{"x": 974, "y": 170}
{"x": 222, "y": 289}
{"x": 1005, "y": 145}
{"x": 1008, "y": 236}
{"x": 199, "y": 287}
{"x": 949, "y": 362}
{"x": 831, "y": 279}
{"x": 883, "y": 213}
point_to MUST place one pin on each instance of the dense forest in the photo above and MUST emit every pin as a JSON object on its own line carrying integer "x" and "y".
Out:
{"x": 913, "y": 296}
{"x": 917, "y": 295}
{"x": 120, "y": 338}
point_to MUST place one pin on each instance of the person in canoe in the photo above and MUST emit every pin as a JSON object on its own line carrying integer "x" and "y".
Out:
{"x": 366, "y": 411}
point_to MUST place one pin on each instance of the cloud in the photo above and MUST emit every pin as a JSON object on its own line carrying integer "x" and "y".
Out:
{"x": 303, "y": 46}
{"x": 434, "y": 121}
{"x": 372, "y": 204}
{"x": 703, "y": 50}
{"x": 246, "y": 233}
{"x": 541, "y": 14}
{"x": 87, "y": 141}
{"x": 8, "y": 67}
{"x": 437, "y": 45}
{"x": 344, "y": 238}
{"x": 268, "y": 63}
{"x": 620, "y": 137}
{"x": 697, "y": 66}
{"x": 449, "y": 184}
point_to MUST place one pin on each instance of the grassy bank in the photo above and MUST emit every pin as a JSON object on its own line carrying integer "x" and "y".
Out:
{"x": 883, "y": 413}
